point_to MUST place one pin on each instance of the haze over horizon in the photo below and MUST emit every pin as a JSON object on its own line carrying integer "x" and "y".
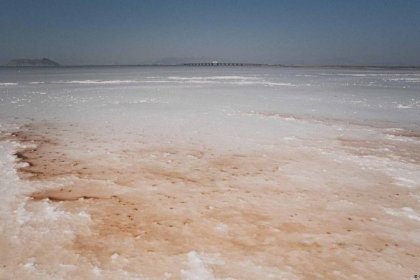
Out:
{"x": 302, "y": 32}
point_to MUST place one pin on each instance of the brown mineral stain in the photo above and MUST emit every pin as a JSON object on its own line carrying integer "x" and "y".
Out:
{"x": 176, "y": 200}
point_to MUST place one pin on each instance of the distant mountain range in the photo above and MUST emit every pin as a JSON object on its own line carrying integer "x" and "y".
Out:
{"x": 45, "y": 62}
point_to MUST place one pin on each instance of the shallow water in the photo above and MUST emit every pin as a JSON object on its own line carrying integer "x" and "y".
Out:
{"x": 209, "y": 173}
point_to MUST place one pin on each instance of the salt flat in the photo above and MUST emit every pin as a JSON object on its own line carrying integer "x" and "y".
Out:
{"x": 209, "y": 173}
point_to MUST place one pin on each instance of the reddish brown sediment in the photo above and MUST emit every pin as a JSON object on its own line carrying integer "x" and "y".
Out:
{"x": 404, "y": 133}
{"x": 336, "y": 121}
{"x": 153, "y": 204}
{"x": 404, "y": 151}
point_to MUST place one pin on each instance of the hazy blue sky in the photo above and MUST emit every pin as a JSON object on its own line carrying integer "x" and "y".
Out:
{"x": 381, "y": 32}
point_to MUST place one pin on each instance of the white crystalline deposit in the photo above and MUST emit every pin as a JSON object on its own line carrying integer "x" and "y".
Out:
{"x": 253, "y": 158}
{"x": 197, "y": 268}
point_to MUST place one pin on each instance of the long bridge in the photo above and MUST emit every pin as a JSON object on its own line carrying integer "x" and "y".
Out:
{"x": 215, "y": 63}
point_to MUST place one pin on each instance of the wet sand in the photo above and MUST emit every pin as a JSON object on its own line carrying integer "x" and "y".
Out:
{"x": 163, "y": 210}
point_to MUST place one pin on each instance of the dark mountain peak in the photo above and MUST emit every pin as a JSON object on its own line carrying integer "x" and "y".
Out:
{"x": 24, "y": 62}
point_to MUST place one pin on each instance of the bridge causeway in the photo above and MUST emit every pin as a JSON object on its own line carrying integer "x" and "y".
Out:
{"x": 221, "y": 64}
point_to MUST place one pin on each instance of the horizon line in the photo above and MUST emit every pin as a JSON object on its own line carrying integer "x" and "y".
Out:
{"x": 223, "y": 64}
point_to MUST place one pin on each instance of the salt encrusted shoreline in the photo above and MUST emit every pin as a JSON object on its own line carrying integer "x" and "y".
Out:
{"x": 158, "y": 211}
{"x": 192, "y": 173}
